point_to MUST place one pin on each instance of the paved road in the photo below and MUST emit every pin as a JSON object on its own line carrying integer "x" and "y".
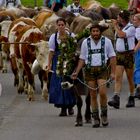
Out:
{"x": 38, "y": 120}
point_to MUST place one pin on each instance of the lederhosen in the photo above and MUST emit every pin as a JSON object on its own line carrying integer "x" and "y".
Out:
{"x": 125, "y": 58}
{"x": 10, "y": 1}
{"x": 79, "y": 10}
{"x": 96, "y": 72}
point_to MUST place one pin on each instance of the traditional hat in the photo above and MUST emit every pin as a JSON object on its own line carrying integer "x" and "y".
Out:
{"x": 101, "y": 25}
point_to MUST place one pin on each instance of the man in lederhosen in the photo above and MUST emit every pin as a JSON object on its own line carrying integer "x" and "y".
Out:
{"x": 125, "y": 43}
{"x": 10, "y": 3}
{"x": 95, "y": 51}
{"x": 75, "y": 7}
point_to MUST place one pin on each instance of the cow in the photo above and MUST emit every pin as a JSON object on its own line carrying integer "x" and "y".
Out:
{"x": 79, "y": 23}
{"x": 67, "y": 15}
{"x": 40, "y": 65}
{"x": 6, "y": 19}
{"x": 30, "y": 35}
{"x": 13, "y": 32}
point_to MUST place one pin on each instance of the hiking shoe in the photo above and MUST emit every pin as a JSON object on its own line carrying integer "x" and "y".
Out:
{"x": 96, "y": 123}
{"x": 104, "y": 121}
{"x": 131, "y": 102}
{"x": 115, "y": 102}
{"x": 96, "y": 119}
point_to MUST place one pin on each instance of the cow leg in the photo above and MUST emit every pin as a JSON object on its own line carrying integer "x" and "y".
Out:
{"x": 45, "y": 90}
{"x": 25, "y": 84}
{"x": 20, "y": 72}
{"x": 43, "y": 76}
{"x": 1, "y": 62}
{"x": 31, "y": 84}
{"x": 79, "y": 120}
{"x": 14, "y": 70}
{"x": 31, "y": 88}
{"x": 88, "y": 111}
{"x": 31, "y": 91}
{"x": 4, "y": 58}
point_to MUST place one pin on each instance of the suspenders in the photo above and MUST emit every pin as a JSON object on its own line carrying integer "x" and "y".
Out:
{"x": 75, "y": 10}
{"x": 94, "y": 51}
{"x": 10, "y": 1}
{"x": 126, "y": 40}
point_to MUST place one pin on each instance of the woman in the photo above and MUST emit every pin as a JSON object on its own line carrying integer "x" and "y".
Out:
{"x": 55, "y": 5}
{"x": 63, "y": 99}
{"x": 136, "y": 22}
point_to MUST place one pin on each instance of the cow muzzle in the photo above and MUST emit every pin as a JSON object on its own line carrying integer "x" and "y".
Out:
{"x": 66, "y": 85}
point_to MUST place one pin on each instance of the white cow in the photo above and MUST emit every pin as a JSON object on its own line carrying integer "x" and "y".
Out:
{"x": 41, "y": 63}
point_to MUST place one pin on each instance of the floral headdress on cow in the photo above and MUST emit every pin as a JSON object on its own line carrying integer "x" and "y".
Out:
{"x": 66, "y": 58}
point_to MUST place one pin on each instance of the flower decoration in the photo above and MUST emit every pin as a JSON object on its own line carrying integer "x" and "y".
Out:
{"x": 65, "y": 63}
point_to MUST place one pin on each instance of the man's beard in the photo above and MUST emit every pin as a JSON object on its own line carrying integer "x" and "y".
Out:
{"x": 96, "y": 37}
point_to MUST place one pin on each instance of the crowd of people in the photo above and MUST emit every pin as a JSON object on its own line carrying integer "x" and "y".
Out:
{"x": 96, "y": 54}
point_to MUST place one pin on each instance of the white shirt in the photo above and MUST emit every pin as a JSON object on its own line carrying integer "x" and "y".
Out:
{"x": 130, "y": 30}
{"x": 3, "y": 3}
{"x": 137, "y": 33}
{"x": 52, "y": 40}
{"x": 96, "y": 58}
{"x": 72, "y": 8}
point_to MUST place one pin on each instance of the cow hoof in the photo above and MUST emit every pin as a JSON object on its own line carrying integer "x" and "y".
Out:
{"x": 45, "y": 96}
{"x": 31, "y": 98}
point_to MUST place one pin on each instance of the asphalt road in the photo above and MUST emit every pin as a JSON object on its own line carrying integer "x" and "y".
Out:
{"x": 39, "y": 120}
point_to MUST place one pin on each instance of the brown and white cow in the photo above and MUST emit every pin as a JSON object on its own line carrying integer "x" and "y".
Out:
{"x": 6, "y": 19}
{"x": 31, "y": 34}
{"x": 14, "y": 31}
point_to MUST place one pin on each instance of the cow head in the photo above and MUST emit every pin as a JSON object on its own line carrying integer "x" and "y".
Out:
{"x": 42, "y": 51}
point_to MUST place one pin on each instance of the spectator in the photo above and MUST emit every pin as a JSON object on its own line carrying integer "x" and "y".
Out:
{"x": 75, "y": 7}
{"x": 63, "y": 99}
{"x": 136, "y": 22}
{"x": 12, "y": 3}
{"x": 125, "y": 42}
{"x": 95, "y": 51}
{"x": 134, "y": 6}
{"x": 54, "y": 5}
